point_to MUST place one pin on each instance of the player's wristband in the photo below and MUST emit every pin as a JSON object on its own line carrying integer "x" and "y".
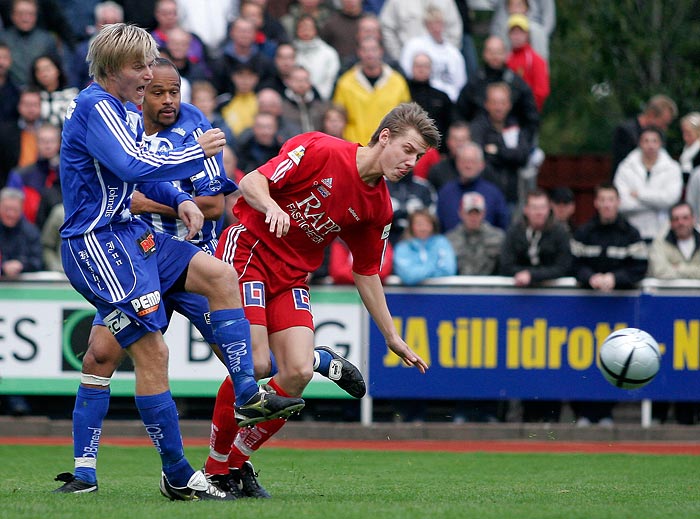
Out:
{"x": 179, "y": 198}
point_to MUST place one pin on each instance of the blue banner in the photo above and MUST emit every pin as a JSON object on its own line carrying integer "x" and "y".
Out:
{"x": 526, "y": 344}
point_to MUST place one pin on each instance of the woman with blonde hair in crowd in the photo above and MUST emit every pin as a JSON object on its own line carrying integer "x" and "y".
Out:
{"x": 423, "y": 252}
{"x": 690, "y": 156}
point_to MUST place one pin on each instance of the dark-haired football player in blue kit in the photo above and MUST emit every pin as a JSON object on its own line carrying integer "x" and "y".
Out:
{"x": 124, "y": 269}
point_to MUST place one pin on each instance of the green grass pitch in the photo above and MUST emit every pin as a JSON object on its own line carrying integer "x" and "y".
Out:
{"x": 368, "y": 484}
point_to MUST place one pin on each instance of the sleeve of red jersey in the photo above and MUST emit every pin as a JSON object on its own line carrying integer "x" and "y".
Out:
{"x": 292, "y": 162}
{"x": 368, "y": 248}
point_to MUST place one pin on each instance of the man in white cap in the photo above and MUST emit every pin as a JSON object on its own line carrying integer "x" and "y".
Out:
{"x": 477, "y": 243}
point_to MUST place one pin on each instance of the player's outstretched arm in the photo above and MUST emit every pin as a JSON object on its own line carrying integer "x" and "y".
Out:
{"x": 255, "y": 188}
{"x": 372, "y": 294}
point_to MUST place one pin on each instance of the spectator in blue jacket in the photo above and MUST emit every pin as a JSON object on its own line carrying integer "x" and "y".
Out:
{"x": 470, "y": 164}
{"x": 423, "y": 253}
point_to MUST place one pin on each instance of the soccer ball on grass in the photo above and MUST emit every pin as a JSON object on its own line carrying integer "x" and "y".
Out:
{"x": 629, "y": 358}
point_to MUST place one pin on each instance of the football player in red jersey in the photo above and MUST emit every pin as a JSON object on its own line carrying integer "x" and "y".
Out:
{"x": 317, "y": 189}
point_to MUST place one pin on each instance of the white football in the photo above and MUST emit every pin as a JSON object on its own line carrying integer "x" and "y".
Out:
{"x": 629, "y": 358}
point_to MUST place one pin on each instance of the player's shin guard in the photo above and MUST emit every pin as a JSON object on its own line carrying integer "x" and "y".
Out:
{"x": 90, "y": 409}
{"x": 250, "y": 439}
{"x": 159, "y": 416}
{"x": 223, "y": 430}
{"x": 232, "y": 333}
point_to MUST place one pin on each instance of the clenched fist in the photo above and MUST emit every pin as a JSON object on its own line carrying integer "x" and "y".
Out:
{"x": 212, "y": 142}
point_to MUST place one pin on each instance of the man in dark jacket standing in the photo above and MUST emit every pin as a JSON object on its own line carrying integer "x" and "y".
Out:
{"x": 20, "y": 244}
{"x": 472, "y": 98}
{"x": 506, "y": 144}
{"x": 434, "y": 101}
{"x": 609, "y": 254}
{"x": 536, "y": 247}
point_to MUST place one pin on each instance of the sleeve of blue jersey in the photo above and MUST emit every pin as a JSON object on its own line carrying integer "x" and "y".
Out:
{"x": 213, "y": 179}
{"x": 164, "y": 193}
{"x": 114, "y": 145}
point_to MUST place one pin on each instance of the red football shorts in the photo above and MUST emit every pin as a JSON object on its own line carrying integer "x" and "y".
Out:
{"x": 274, "y": 294}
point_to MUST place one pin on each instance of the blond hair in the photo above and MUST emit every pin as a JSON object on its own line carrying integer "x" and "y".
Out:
{"x": 693, "y": 119}
{"x": 659, "y": 104}
{"x": 116, "y": 45}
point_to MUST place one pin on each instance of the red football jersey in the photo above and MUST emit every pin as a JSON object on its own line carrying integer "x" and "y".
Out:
{"x": 315, "y": 180}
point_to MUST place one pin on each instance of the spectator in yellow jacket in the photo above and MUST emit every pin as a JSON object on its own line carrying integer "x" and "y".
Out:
{"x": 367, "y": 91}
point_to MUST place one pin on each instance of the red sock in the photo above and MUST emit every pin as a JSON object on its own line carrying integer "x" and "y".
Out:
{"x": 250, "y": 439}
{"x": 223, "y": 430}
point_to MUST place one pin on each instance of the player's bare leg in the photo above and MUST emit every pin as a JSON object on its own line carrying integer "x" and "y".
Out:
{"x": 218, "y": 282}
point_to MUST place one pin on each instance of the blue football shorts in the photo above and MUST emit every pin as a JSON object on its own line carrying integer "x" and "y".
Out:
{"x": 123, "y": 270}
{"x": 194, "y": 307}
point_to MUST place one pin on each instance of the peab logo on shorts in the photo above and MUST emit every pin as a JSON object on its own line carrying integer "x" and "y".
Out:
{"x": 147, "y": 303}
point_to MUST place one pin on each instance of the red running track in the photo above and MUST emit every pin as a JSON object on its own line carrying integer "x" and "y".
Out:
{"x": 508, "y": 446}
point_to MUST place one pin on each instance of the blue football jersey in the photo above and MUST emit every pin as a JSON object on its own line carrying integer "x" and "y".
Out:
{"x": 102, "y": 160}
{"x": 210, "y": 181}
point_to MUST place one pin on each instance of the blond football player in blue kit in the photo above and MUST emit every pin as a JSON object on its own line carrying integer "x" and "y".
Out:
{"x": 123, "y": 268}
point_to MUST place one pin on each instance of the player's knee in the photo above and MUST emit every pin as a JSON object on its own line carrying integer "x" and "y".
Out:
{"x": 103, "y": 356}
{"x": 224, "y": 276}
{"x": 262, "y": 369}
{"x": 220, "y": 285}
{"x": 301, "y": 376}
{"x": 149, "y": 353}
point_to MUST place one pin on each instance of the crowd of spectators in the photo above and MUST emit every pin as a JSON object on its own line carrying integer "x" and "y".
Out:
{"x": 265, "y": 70}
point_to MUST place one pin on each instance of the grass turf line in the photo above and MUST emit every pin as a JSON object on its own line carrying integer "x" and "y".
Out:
{"x": 368, "y": 485}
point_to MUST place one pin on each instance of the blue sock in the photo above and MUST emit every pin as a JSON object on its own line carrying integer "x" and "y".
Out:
{"x": 273, "y": 366}
{"x": 90, "y": 409}
{"x": 322, "y": 362}
{"x": 232, "y": 333}
{"x": 159, "y": 415}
